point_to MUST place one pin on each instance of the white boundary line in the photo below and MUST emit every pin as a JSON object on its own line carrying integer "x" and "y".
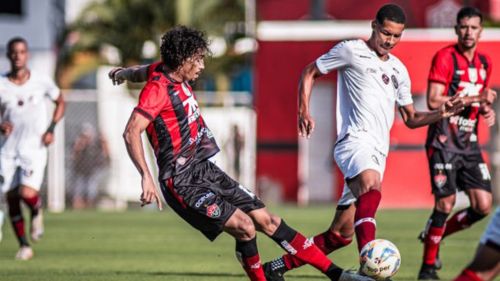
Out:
{"x": 339, "y": 30}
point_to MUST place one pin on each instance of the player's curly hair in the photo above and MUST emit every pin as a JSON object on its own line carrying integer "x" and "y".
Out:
{"x": 181, "y": 43}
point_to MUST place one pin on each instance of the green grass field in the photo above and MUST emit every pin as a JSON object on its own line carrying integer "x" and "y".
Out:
{"x": 151, "y": 245}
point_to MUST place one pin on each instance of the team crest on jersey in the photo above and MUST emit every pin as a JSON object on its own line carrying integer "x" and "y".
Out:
{"x": 440, "y": 180}
{"x": 385, "y": 78}
{"x": 213, "y": 211}
{"x": 20, "y": 102}
{"x": 395, "y": 81}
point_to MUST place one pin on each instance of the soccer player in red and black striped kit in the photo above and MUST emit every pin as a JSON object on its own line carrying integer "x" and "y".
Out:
{"x": 453, "y": 150}
{"x": 195, "y": 188}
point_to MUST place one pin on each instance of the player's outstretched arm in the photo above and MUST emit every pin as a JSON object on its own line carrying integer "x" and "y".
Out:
{"x": 306, "y": 122}
{"x": 132, "y": 136}
{"x": 414, "y": 119}
{"x": 489, "y": 114}
{"x": 136, "y": 73}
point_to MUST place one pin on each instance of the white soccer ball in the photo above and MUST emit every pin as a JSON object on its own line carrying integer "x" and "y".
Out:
{"x": 380, "y": 259}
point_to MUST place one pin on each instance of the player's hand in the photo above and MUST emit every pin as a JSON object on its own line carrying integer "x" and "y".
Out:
{"x": 47, "y": 138}
{"x": 6, "y": 128}
{"x": 489, "y": 115}
{"x": 306, "y": 125}
{"x": 116, "y": 75}
{"x": 453, "y": 106}
{"x": 489, "y": 95}
{"x": 149, "y": 193}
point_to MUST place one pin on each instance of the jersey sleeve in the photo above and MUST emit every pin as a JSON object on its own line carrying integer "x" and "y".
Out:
{"x": 441, "y": 68}
{"x": 339, "y": 56}
{"x": 51, "y": 91}
{"x": 152, "y": 67}
{"x": 151, "y": 100}
{"x": 404, "y": 90}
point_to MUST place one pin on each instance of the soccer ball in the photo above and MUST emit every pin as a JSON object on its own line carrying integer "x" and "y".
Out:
{"x": 379, "y": 259}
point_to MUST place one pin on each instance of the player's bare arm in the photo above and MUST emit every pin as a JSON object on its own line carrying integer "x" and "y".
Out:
{"x": 306, "y": 122}
{"x": 132, "y": 136}
{"x": 414, "y": 119}
{"x": 48, "y": 136}
{"x": 436, "y": 97}
{"x": 6, "y": 128}
{"x": 136, "y": 73}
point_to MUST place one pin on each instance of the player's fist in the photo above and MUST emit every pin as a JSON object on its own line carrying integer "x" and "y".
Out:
{"x": 489, "y": 95}
{"x": 489, "y": 115}
{"x": 117, "y": 75}
{"x": 453, "y": 106}
{"x": 306, "y": 125}
{"x": 48, "y": 138}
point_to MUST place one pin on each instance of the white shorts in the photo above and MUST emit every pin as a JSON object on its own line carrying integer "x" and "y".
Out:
{"x": 492, "y": 232}
{"x": 353, "y": 156}
{"x": 28, "y": 170}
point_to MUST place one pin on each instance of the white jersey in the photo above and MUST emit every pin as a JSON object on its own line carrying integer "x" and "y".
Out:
{"x": 25, "y": 107}
{"x": 367, "y": 90}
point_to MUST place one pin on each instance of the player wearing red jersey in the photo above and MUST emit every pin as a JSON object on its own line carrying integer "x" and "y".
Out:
{"x": 453, "y": 151}
{"x": 195, "y": 188}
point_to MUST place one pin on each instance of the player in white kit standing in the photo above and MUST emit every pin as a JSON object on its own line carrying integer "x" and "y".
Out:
{"x": 371, "y": 82}
{"x": 25, "y": 134}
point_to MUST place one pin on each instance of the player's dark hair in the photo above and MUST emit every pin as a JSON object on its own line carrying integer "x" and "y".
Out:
{"x": 391, "y": 12}
{"x": 181, "y": 43}
{"x": 469, "y": 12}
{"x": 15, "y": 40}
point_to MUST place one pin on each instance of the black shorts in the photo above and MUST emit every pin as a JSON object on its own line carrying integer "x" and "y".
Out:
{"x": 451, "y": 172}
{"x": 206, "y": 197}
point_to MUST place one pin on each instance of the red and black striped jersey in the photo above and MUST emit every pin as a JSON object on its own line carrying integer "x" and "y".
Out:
{"x": 467, "y": 78}
{"x": 177, "y": 132}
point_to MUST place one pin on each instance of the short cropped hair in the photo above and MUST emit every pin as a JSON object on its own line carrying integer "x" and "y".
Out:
{"x": 15, "y": 40}
{"x": 469, "y": 12}
{"x": 391, "y": 12}
{"x": 181, "y": 43}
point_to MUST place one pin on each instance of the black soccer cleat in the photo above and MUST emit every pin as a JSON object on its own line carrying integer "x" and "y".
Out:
{"x": 273, "y": 273}
{"x": 427, "y": 272}
{"x": 437, "y": 264}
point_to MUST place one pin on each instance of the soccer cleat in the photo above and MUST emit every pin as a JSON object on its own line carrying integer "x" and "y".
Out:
{"x": 37, "y": 227}
{"x": 348, "y": 275}
{"x": 25, "y": 253}
{"x": 437, "y": 264}
{"x": 273, "y": 273}
{"x": 427, "y": 272}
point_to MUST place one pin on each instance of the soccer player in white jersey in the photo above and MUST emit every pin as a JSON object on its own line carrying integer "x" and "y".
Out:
{"x": 25, "y": 134}
{"x": 371, "y": 82}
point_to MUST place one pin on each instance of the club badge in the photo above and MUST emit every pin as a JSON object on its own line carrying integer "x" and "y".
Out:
{"x": 213, "y": 211}
{"x": 440, "y": 180}
{"x": 385, "y": 78}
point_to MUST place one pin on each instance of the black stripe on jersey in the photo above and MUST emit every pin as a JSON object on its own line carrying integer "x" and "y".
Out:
{"x": 165, "y": 145}
{"x": 180, "y": 113}
{"x": 484, "y": 61}
{"x": 455, "y": 80}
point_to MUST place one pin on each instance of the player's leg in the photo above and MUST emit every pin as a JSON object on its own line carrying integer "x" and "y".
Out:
{"x": 444, "y": 168}
{"x": 338, "y": 235}
{"x": 475, "y": 180}
{"x": 31, "y": 177}
{"x": 299, "y": 246}
{"x": 486, "y": 264}
{"x": 241, "y": 227}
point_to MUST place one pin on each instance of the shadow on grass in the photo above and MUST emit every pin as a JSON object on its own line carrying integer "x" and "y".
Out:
{"x": 212, "y": 274}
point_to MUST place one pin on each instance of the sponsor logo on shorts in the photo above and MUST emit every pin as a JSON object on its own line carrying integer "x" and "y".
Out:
{"x": 213, "y": 211}
{"x": 203, "y": 199}
{"x": 440, "y": 180}
{"x": 181, "y": 160}
{"x": 28, "y": 173}
{"x": 385, "y": 78}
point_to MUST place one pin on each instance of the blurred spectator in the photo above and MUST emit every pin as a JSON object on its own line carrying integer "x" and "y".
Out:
{"x": 90, "y": 156}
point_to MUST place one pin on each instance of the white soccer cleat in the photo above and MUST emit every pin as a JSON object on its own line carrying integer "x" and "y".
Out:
{"x": 25, "y": 253}
{"x": 37, "y": 227}
{"x": 348, "y": 275}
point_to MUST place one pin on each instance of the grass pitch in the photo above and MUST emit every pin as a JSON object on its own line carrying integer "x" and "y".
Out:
{"x": 151, "y": 245}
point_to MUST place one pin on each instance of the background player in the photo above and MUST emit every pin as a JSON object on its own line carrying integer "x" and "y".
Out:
{"x": 370, "y": 82}
{"x": 26, "y": 133}
{"x": 486, "y": 264}
{"x": 195, "y": 188}
{"x": 453, "y": 151}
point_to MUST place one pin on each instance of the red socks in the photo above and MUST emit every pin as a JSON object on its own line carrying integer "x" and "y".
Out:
{"x": 248, "y": 255}
{"x": 34, "y": 203}
{"x": 431, "y": 244}
{"x": 468, "y": 275}
{"x": 364, "y": 218}
{"x": 327, "y": 242}
{"x": 16, "y": 217}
